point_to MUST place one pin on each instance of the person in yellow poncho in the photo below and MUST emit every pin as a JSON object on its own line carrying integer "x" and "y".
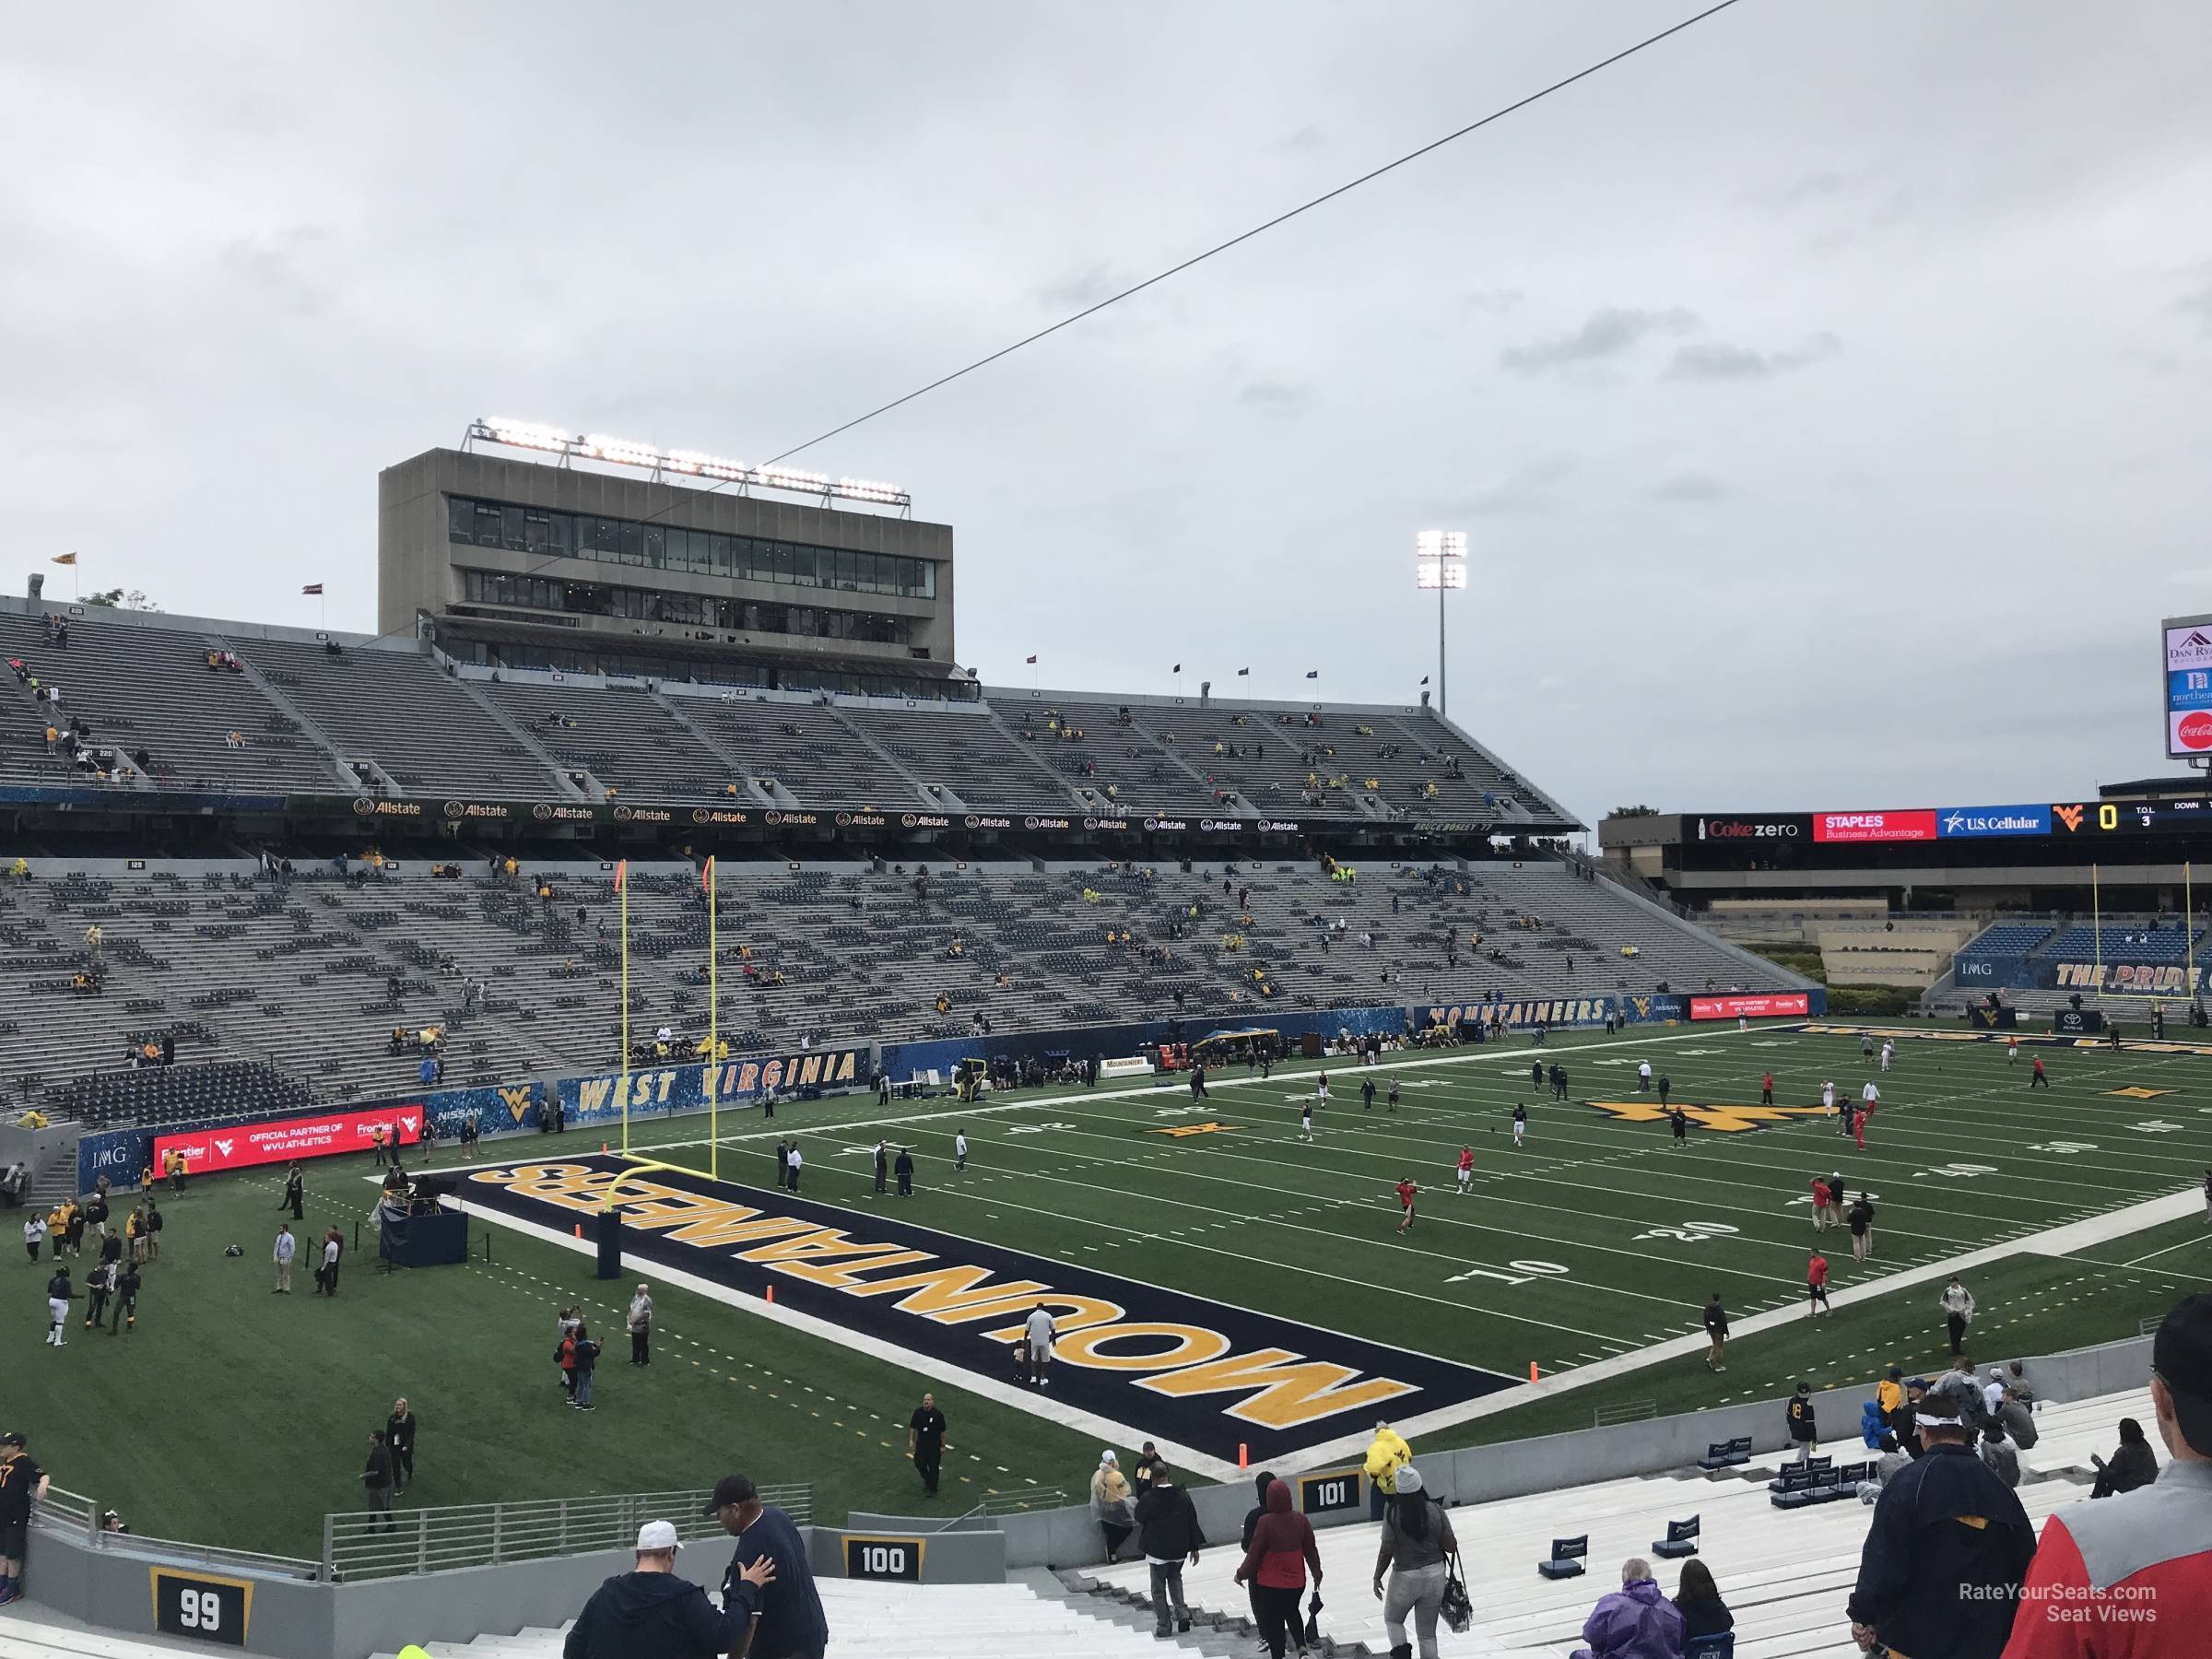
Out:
{"x": 1386, "y": 1454}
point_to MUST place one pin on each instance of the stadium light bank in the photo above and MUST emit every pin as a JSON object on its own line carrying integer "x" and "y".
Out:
{"x": 1439, "y": 561}
{"x": 676, "y": 466}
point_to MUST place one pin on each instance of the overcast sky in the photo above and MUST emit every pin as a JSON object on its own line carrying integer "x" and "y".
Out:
{"x": 1826, "y": 393}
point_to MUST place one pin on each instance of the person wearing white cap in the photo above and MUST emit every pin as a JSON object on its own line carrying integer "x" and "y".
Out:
{"x": 1416, "y": 1550}
{"x": 650, "y": 1613}
{"x": 1109, "y": 1503}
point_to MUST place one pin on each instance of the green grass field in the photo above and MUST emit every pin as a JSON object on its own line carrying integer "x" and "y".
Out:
{"x": 235, "y": 1416}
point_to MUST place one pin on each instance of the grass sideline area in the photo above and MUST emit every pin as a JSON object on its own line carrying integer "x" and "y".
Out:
{"x": 1599, "y": 1237}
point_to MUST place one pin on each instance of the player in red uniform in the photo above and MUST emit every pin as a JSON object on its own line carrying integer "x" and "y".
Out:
{"x": 1466, "y": 1176}
{"x": 1816, "y": 1285}
{"x": 1406, "y": 1194}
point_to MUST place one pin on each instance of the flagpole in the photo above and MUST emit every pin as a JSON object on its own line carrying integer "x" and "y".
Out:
{"x": 2097, "y": 927}
{"x": 713, "y": 1025}
{"x": 622, "y": 886}
{"x": 2189, "y": 926}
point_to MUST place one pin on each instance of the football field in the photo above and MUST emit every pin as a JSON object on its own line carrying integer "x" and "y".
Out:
{"x": 1589, "y": 1250}
{"x": 1599, "y": 1236}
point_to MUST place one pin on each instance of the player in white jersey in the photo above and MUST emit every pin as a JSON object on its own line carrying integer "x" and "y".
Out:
{"x": 1827, "y": 1097}
{"x": 1889, "y": 1052}
{"x": 1870, "y": 1095}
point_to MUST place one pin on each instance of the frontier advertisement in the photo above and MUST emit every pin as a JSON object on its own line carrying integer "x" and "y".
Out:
{"x": 1751, "y": 1007}
{"x": 280, "y": 1140}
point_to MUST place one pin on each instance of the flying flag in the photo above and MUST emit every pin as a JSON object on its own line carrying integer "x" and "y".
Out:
{"x": 1242, "y": 672}
{"x": 312, "y": 587}
{"x": 1030, "y": 659}
{"x": 622, "y": 873}
{"x": 1178, "y": 667}
{"x": 68, "y": 558}
{"x": 706, "y": 877}
{"x": 1424, "y": 679}
{"x": 1312, "y": 673}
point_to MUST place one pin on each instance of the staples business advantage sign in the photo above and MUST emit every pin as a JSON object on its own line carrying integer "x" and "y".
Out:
{"x": 1161, "y": 1363}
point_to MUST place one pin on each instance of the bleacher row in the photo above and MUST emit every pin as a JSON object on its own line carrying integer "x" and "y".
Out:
{"x": 294, "y": 716}
{"x": 1785, "y": 1577}
{"x": 292, "y": 980}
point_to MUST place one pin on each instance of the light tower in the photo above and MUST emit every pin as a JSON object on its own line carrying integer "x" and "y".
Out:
{"x": 1439, "y": 561}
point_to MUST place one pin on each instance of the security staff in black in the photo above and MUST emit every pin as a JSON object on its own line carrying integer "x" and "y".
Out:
{"x": 883, "y": 1164}
{"x": 295, "y": 1194}
{"x": 1940, "y": 1575}
{"x": 925, "y": 1441}
{"x": 903, "y": 1167}
{"x": 1366, "y": 1095}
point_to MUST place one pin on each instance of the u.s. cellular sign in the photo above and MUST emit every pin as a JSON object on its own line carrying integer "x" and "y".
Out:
{"x": 1178, "y": 1368}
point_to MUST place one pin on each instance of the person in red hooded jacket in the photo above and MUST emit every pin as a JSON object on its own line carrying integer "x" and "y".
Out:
{"x": 1282, "y": 1550}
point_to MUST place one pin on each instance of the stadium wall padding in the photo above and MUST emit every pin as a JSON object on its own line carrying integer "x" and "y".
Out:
{"x": 675, "y": 1091}
{"x": 299, "y": 1618}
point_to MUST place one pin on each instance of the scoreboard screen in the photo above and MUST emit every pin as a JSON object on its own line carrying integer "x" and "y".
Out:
{"x": 2188, "y": 642}
{"x": 2090, "y": 818}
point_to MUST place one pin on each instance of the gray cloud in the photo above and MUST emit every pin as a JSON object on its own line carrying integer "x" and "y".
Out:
{"x": 2200, "y": 303}
{"x": 278, "y": 266}
{"x": 1494, "y": 301}
{"x": 1084, "y": 286}
{"x": 1531, "y": 488}
{"x": 1605, "y": 333}
{"x": 1715, "y": 360}
{"x": 1688, "y": 487}
{"x": 1274, "y": 394}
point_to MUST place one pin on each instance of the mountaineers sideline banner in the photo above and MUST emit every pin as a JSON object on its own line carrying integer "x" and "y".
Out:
{"x": 280, "y": 1140}
{"x": 1159, "y": 1362}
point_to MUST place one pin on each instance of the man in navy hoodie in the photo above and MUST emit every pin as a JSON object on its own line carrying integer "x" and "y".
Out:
{"x": 653, "y": 1614}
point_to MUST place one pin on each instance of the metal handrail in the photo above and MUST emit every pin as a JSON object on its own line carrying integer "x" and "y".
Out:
{"x": 403, "y": 1543}
{"x": 77, "y": 1516}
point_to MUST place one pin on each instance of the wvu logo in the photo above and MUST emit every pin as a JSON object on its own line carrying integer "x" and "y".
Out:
{"x": 1729, "y": 1120}
{"x": 1179, "y": 1130}
{"x": 517, "y": 1101}
{"x": 1642, "y": 1005}
{"x": 2068, "y": 815}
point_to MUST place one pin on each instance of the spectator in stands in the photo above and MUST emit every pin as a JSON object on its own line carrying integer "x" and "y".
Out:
{"x": 1170, "y": 1536}
{"x": 1635, "y": 1622}
{"x": 1276, "y": 1563}
{"x": 650, "y": 1613}
{"x": 2134, "y": 1463}
{"x": 1947, "y": 1551}
{"x": 2019, "y": 1422}
{"x": 1386, "y": 1454}
{"x": 1999, "y": 1454}
{"x": 1697, "y": 1599}
{"x": 1803, "y": 1434}
{"x": 1417, "y": 1548}
{"x": 2147, "y": 1554}
{"x": 22, "y": 1483}
{"x": 788, "y": 1622}
{"x": 1109, "y": 1506}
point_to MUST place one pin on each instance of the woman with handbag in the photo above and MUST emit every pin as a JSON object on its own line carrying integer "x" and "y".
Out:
{"x": 1420, "y": 1553}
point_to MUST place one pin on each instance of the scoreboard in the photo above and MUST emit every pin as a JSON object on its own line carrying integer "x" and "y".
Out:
{"x": 2089, "y": 820}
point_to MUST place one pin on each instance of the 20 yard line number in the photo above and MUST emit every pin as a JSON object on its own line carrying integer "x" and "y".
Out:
{"x": 1524, "y": 1273}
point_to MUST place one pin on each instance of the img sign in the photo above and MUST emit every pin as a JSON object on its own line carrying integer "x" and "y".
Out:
{"x": 1159, "y": 1361}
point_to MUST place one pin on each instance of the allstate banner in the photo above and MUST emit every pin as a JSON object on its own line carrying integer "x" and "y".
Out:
{"x": 673, "y": 1089}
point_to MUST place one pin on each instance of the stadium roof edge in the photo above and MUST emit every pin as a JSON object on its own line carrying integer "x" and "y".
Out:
{"x": 79, "y": 610}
